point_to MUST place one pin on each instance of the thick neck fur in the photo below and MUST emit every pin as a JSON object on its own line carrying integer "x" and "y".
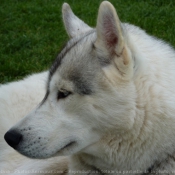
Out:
{"x": 153, "y": 133}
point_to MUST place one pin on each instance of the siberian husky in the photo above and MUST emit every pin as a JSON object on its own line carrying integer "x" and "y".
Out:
{"x": 110, "y": 101}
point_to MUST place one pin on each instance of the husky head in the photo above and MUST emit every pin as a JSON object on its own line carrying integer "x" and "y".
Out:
{"x": 89, "y": 90}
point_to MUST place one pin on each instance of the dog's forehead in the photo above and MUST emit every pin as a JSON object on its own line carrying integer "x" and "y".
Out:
{"x": 76, "y": 63}
{"x": 70, "y": 47}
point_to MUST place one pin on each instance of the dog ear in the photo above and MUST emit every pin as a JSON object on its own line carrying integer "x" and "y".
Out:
{"x": 110, "y": 39}
{"x": 74, "y": 26}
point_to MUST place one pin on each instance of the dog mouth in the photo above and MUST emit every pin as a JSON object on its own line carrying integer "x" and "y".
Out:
{"x": 68, "y": 146}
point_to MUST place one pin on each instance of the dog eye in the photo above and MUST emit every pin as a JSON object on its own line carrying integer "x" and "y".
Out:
{"x": 63, "y": 94}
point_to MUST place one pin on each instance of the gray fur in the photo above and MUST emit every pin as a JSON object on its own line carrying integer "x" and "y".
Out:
{"x": 77, "y": 67}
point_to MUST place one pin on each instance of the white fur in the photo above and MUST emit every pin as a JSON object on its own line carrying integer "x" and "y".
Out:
{"x": 16, "y": 100}
{"x": 128, "y": 123}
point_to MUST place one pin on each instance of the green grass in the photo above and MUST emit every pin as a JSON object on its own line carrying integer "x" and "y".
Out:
{"x": 32, "y": 32}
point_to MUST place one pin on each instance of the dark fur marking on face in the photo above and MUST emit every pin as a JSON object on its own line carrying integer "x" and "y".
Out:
{"x": 104, "y": 61}
{"x": 45, "y": 97}
{"x": 83, "y": 86}
{"x": 61, "y": 55}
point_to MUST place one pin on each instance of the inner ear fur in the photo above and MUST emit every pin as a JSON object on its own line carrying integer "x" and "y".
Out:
{"x": 110, "y": 41}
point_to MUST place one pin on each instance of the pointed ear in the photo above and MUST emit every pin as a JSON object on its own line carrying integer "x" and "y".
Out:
{"x": 109, "y": 31}
{"x": 74, "y": 26}
{"x": 110, "y": 38}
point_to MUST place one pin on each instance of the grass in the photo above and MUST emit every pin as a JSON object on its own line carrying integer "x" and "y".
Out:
{"x": 32, "y": 32}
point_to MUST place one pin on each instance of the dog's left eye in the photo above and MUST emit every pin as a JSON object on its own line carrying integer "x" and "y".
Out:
{"x": 63, "y": 94}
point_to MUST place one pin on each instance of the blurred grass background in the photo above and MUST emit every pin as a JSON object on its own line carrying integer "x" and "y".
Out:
{"x": 32, "y": 32}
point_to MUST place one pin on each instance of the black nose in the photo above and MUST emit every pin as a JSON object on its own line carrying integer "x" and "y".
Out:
{"x": 13, "y": 138}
